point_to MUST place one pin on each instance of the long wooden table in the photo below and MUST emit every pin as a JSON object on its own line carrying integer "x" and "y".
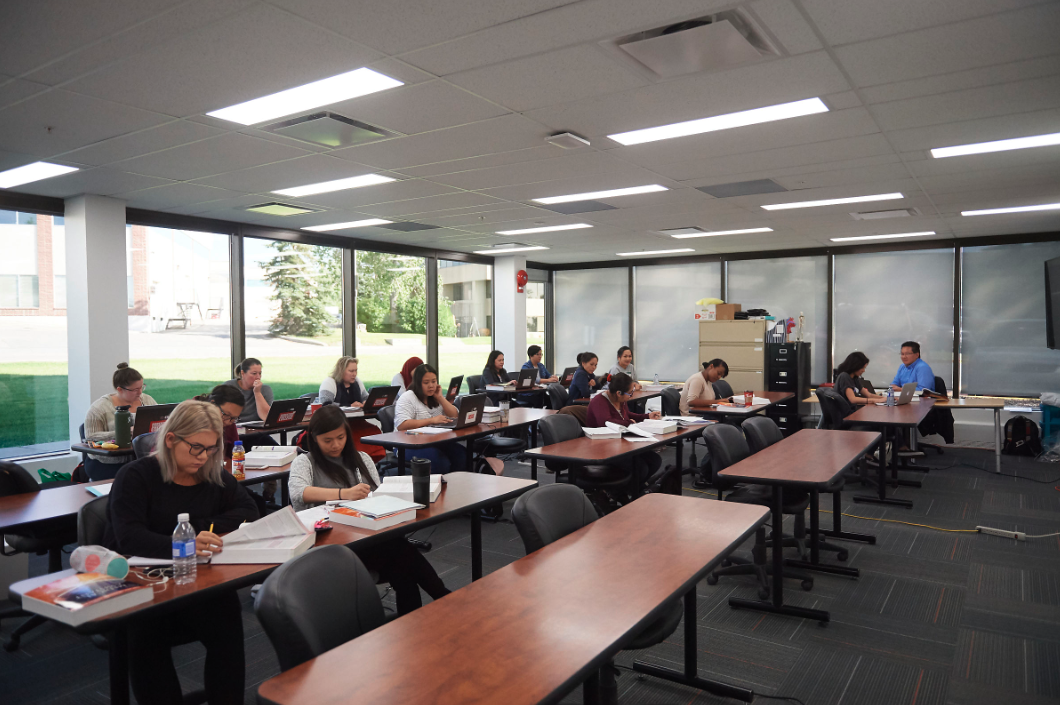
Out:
{"x": 463, "y": 493}
{"x": 533, "y": 630}
{"x": 738, "y": 413}
{"x": 810, "y": 459}
{"x": 890, "y": 419}
{"x": 403, "y": 441}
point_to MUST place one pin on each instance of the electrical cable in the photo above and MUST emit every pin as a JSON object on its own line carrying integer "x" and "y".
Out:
{"x": 780, "y": 697}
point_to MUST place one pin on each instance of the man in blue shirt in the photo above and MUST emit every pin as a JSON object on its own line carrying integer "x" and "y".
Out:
{"x": 535, "y": 353}
{"x": 913, "y": 369}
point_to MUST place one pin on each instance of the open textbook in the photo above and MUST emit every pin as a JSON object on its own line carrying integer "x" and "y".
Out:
{"x": 271, "y": 539}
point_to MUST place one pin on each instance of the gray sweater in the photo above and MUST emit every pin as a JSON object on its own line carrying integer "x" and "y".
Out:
{"x": 304, "y": 473}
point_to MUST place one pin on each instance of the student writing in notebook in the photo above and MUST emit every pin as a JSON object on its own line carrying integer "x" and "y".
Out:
{"x": 610, "y": 405}
{"x": 184, "y": 474}
{"x": 584, "y": 383}
{"x": 333, "y": 469}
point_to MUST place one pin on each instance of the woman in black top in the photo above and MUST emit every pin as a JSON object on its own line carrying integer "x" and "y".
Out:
{"x": 848, "y": 383}
{"x": 494, "y": 373}
{"x": 184, "y": 474}
{"x": 584, "y": 383}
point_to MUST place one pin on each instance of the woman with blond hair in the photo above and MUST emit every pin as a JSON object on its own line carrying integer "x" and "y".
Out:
{"x": 185, "y": 474}
{"x": 344, "y": 388}
{"x": 129, "y": 390}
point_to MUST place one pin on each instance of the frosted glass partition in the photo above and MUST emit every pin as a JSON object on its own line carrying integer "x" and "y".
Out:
{"x": 787, "y": 287}
{"x": 667, "y": 341}
{"x": 883, "y": 299}
{"x": 1003, "y": 321}
{"x": 592, "y": 313}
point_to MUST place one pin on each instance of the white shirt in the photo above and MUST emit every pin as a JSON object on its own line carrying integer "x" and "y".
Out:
{"x": 398, "y": 382}
{"x": 409, "y": 407}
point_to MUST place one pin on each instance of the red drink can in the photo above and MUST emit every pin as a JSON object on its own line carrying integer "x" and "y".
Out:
{"x": 748, "y": 398}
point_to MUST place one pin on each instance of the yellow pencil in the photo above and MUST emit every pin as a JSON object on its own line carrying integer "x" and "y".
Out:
{"x": 211, "y": 528}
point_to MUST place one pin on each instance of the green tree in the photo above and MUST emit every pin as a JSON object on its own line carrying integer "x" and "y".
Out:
{"x": 293, "y": 275}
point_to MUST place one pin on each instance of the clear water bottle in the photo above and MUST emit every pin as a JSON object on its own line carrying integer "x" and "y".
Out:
{"x": 656, "y": 380}
{"x": 184, "y": 564}
{"x": 890, "y": 397}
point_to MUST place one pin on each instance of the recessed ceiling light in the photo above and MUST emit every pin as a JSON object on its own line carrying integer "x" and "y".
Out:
{"x": 1016, "y": 209}
{"x": 506, "y": 250}
{"x": 654, "y": 252}
{"x": 997, "y": 146}
{"x": 32, "y": 172}
{"x": 345, "y": 226}
{"x": 336, "y": 185}
{"x": 546, "y": 229}
{"x": 651, "y": 188}
{"x": 280, "y": 209}
{"x": 352, "y": 84}
{"x": 882, "y": 237}
{"x": 743, "y": 118}
{"x": 833, "y": 201}
{"x": 685, "y": 235}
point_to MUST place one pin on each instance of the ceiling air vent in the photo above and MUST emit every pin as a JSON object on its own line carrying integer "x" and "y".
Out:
{"x": 329, "y": 130}
{"x": 724, "y": 40}
{"x": 880, "y": 215}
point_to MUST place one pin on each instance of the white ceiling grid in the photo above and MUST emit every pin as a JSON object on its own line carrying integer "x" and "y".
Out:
{"x": 120, "y": 89}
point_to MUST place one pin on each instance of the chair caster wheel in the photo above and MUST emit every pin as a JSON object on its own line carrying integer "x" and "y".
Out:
{"x": 842, "y": 555}
{"x": 807, "y": 585}
{"x": 12, "y": 644}
{"x": 763, "y": 594}
{"x": 712, "y": 579}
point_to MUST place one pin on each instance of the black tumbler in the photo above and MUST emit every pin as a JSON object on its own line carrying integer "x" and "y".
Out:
{"x": 421, "y": 481}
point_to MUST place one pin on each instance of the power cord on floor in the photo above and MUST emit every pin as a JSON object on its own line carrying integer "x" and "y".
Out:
{"x": 644, "y": 676}
{"x": 992, "y": 472}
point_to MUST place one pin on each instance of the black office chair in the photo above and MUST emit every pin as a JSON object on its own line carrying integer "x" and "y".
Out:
{"x": 44, "y": 537}
{"x": 315, "y": 602}
{"x": 938, "y": 421}
{"x": 727, "y": 447}
{"x": 609, "y": 481}
{"x": 548, "y": 513}
{"x": 385, "y": 417}
{"x": 557, "y": 396}
{"x": 143, "y": 444}
{"x": 92, "y": 520}
{"x": 475, "y": 385}
{"x": 722, "y": 389}
{"x": 834, "y": 409}
{"x": 671, "y": 406}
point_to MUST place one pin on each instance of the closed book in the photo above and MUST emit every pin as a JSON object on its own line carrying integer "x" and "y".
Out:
{"x": 79, "y": 598}
{"x": 99, "y": 490}
{"x": 401, "y": 487}
{"x": 601, "y": 433}
{"x": 657, "y": 426}
{"x": 271, "y": 456}
{"x": 351, "y": 517}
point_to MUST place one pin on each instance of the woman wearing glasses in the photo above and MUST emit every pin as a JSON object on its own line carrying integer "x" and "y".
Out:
{"x": 99, "y": 422}
{"x": 184, "y": 475}
{"x": 610, "y": 405}
{"x": 229, "y": 401}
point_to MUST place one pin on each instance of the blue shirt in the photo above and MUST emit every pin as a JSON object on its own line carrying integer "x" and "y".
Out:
{"x": 579, "y": 386}
{"x": 542, "y": 373}
{"x": 919, "y": 372}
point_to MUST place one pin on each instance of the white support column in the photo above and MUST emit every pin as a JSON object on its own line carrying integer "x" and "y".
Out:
{"x": 509, "y": 320}
{"x": 97, "y": 311}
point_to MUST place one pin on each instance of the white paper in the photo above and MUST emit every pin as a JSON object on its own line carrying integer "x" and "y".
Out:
{"x": 685, "y": 419}
{"x": 309, "y": 517}
{"x": 638, "y": 439}
{"x": 633, "y": 429}
{"x": 99, "y": 490}
{"x": 429, "y": 430}
{"x": 381, "y": 505}
{"x": 276, "y": 525}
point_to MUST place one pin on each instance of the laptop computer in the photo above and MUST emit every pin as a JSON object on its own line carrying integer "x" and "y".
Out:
{"x": 150, "y": 418}
{"x": 525, "y": 380}
{"x": 568, "y": 376}
{"x": 904, "y": 397}
{"x": 454, "y": 387}
{"x": 379, "y": 397}
{"x": 285, "y": 412}
{"x": 469, "y": 413}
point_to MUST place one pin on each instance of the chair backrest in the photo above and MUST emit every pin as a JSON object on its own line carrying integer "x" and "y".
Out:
{"x": 310, "y": 395}
{"x": 722, "y": 389}
{"x": 832, "y": 408}
{"x": 671, "y": 402}
{"x": 385, "y": 417}
{"x": 578, "y": 411}
{"x": 761, "y": 432}
{"x": 81, "y": 431}
{"x": 558, "y": 428}
{"x": 940, "y": 385}
{"x": 557, "y": 396}
{"x": 315, "y": 602}
{"x": 727, "y": 447}
{"x": 143, "y": 444}
{"x": 92, "y": 521}
{"x": 512, "y": 376}
{"x": 475, "y": 385}
{"x": 15, "y": 479}
{"x": 550, "y": 512}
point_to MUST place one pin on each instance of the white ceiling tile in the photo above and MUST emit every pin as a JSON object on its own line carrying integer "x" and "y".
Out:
{"x": 557, "y": 77}
{"x": 519, "y": 213}
{"x": 100, "y": 181}
{"x": 255, "y": 53}
{"x": 383, "y": 193}
{"x": 174, "y": 195}
{"x": 787, "y": 24}
{"x": 13, "y": 90}
{"x": 171, "y": 134}
{"x": 228, "y": 152}
{"x": 448, "y": 204}
{"x": 962, "y": 80}
{"x": 9, "y": 160}
{"x": 971, "y": 131}
{"x": 300, "y": 171}
{"x": 840, "y": 177}
{"x": 1012, "y": 36}
{"x": 573, "y": 165}
{"x": 57, "y": 121}
{"x": 529, "y": 154}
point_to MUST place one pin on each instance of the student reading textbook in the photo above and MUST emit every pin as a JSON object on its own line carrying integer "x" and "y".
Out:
{"x": 624, "y": 364}
{"x": 849, "y": 383}
{"x": 584, "y": 383}
{"x": 342, "y": 386}
{"x": 611, "y": 405}
{"x": 913, "y": 369}
{"x": 129, "y": 390}
{"x": 257, "y": 397}
{"x": 698, "y": 392}
{"x": 403, "y": 379}
{"x": 185, "y": 474}
{"x": 334, "y": 470}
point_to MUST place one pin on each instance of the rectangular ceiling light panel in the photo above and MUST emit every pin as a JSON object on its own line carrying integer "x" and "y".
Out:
{"x": 352, "y": 84}
{"x": 336, "y": 185}
{"x": 507, "y": 250}
{"x": 32, "y": 172}
{"x": 345, "y": 226}
{"x": 684, "y": 233}
{"x": 882, "y": 237}
{"x": 833, "y": 201}
{"x": 545, "y": 229}
{"x": 613, "y": 193}
{"x": 770, "y": 113}
{"x": 283, "y": 209}
{"x": 654, "y": 252}
{"x": 997, "y": 146}
{"x": 1015, "y": 209}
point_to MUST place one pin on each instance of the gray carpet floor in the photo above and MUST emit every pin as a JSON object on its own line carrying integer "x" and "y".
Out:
{"x": 935, "y": 618}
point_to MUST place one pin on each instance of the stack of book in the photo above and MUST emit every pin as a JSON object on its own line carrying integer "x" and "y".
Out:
{"x": 374, "y": 513}
{"x": 401, "y": 487}
{"x": 271, "y": 456}
{"x": 491, "y": 414}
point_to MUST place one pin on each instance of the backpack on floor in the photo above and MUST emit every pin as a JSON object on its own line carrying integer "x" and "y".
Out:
{"x": 1022, "y": 437}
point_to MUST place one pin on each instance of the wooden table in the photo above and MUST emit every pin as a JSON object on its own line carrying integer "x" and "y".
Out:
{"x": 85, "y": 448}
{"x": 403, "y": 441}
{"x": 640, "y": 395}
{"x": 463, "y": 493}
{"x": 738, "y": 413}
{"x": 967, "y": 403}
{"x": 533, "y": 630}
{"x": 890, "y": 419}
{"x": 810, "y": 459}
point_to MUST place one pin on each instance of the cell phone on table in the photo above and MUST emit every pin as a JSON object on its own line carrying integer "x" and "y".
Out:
{"x": 322, "y": 525}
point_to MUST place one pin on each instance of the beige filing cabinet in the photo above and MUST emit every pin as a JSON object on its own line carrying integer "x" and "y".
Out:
{"x": 742, "y": 344}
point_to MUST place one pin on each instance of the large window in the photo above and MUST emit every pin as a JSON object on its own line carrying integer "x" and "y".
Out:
{"x": 465, "y": 318}
{"x": 787, "y": 287}
{"x": 391, "y": 314}
{"x": 179, "y": 310}
{"x": 884, "y": 299}
{"x": 667, "y": 333}
{"x": 592, "y": 314}
{"x": 1003, "y": 321}
{"x": 33, "y": 353}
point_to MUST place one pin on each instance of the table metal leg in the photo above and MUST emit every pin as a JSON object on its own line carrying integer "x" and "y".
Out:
{"x": 679, "y": 463}
{"x": 815, "y": 563}
{"x": 469, "y": 456}
{"x": 690, "y": 676}
{"x": 882, "y": 497}
{"x": 997, "y": 439}
{"x": 476, "y": 544}
{"x": 401, "y": 460}
{"x": 119, "y": 666}
{"x": 533, "y": 444}
{"x": 836, "y": 531}
{"x": 285, "y": 492}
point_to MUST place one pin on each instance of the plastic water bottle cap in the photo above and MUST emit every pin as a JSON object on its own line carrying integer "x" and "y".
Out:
{"x": 182, "y": 518}
{"x": 239, "y": 443}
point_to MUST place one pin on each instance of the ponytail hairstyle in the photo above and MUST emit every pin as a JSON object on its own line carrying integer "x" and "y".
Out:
{"x": 585, "y": 357}
{"x": 222, "y": 394}
{"x": 246, "y": 365}
{"x": 125, "y": 375}
{"x": 325, "y": 420}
